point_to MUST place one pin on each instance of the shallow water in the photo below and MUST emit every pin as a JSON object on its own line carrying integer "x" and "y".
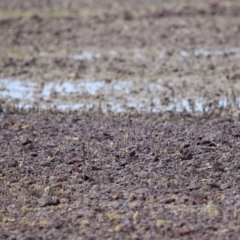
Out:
{"x": 138, "y": 53}
{"x": 86, "y": 55}
{"x": 16, "y": 89}
{"x": 117, "y": 96}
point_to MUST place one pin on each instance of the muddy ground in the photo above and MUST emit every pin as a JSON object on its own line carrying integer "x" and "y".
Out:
{"x": 192, "y": 49}
{"x": 151, "y": 150}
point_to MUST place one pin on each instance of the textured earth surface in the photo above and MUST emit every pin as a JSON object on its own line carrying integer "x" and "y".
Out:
{"x": 92, "y": 176}
{"x": 110, "y": 169}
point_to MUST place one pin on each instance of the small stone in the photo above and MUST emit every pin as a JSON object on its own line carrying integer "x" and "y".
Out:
{"x": 132, "y": 153}
{"x": 33, "y": 154}
{"x": 47, "y": 170}
{"x": 12, "y": 237}
{"x": 213, "y": 185}
{"x": 225, "y": 186}
{"x": 185, "y": 145}
{"x": 26, "y": 142}
{"x": 185, "y": 230}
{"x": 58, "y": 185}
{"x": 48, "y": 201}
{"x": 13, "y": 163}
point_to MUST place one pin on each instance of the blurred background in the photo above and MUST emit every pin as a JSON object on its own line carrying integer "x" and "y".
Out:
{"x": 145, "y": 56}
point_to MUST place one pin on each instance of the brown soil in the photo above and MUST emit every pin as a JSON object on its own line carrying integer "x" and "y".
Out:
{"x": 92, "y": 176}
{"x": 89, "y": 175}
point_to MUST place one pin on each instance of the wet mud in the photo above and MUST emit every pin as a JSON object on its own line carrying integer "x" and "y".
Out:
{"x": 191, "y": 50}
